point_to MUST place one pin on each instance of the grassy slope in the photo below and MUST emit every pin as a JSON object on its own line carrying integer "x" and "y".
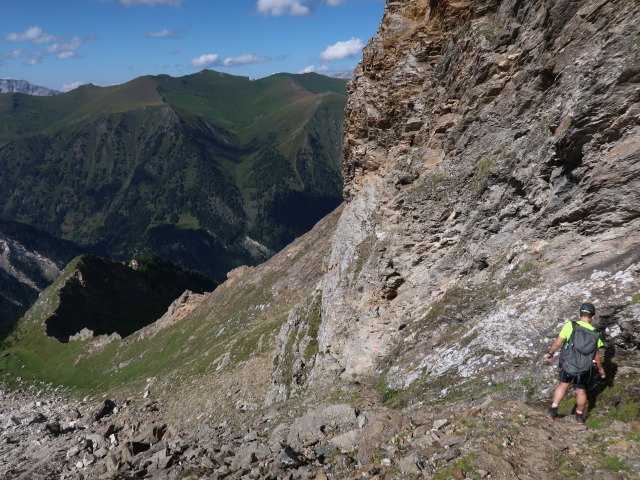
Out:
{"x": 241, "y": 317}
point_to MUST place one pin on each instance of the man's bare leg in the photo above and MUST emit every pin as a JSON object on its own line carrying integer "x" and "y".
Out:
{"x": 561, "y": 391}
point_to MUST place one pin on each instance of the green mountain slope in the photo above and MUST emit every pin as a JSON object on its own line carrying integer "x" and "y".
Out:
{"x": 239, "y": 321}
{"x": 197, "y": 168}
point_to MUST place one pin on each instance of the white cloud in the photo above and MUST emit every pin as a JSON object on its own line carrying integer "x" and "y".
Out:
{"x": 312, "y": 68}
{"x": 67, "y": 87}
{"x": 342, "y": 50}
{"x": 34, "y": 35}
{"x": 344, "y": 74}
{"x": 205, "y": 61}
{"x": 62, "y": 49}
{"x": 70, "y": 46}
{"x": 276, "y": 8}
{"x": 150, "y": 3}
{"x": 243, "y": 60}
{"x": 65, "y": 55}
{"x": 162, "y": 34}
{"x": 211, "y": 59}
{"x": 297, "y": 8}
{"x": 16, "y": 53}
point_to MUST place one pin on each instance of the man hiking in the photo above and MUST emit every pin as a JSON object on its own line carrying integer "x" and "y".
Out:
{"x": 580, "y": 342}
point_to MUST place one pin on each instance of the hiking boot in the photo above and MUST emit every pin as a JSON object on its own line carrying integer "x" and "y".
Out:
{"x": 552, "y": 413}
{"x": 580, "y": 418}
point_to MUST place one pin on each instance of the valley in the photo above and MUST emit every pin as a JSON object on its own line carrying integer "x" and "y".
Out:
{"x": 197, "y": 169}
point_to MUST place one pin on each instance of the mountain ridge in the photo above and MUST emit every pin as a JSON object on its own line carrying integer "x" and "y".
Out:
{"x": 208, "y": 157}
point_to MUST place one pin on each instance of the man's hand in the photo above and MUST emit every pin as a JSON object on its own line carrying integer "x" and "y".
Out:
{"x": 602, "y": 373}
{"x": 548, "y": 357}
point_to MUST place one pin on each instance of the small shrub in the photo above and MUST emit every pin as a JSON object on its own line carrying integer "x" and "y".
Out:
{"x": 633, "y": 437}
{"x": 626, "y": 412}
{"x": 596, "y": 423}
{"x": 635, "y": 299}
{"x": 386, "y": 394}
{"x": 500, "y": 387}
{"x": 526, "y": 382}
{"x": 491, "y": 32}
{"x": 613, "y": 464}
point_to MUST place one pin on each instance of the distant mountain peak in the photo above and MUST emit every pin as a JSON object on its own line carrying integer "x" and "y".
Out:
{"x": 8, "y": 85}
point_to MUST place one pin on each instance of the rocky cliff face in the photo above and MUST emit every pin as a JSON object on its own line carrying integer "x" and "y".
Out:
{"x": 491, "y": 169}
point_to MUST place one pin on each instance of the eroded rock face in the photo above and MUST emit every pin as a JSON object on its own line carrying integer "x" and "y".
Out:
{"x": 492, "y": 178}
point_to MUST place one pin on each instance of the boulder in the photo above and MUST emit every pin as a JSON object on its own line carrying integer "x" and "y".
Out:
{"x": 249, "y": 453}
{"x": 278, "y": 437}
{"x": 152, "y": 434}
{"x": 288, "y": 459}
{"x": 409, "y": 465}
{"x": 36, "y": 418}
{"x": 53, "y": 428}
{"x": 348, "y": 441}
{"x": 160, "y": 460}
{"x": 317, "y": 424}
{"x": 98, "y": 441}
{"x": 380, "y": 427}
{"x": 103, "y": 410}
{"x": 101, "y": 452}
{"x": 450, "y": 440}
{"x": 111, "y": 461}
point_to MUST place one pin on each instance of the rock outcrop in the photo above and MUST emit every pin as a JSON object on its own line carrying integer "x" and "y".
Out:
{"x": 491, "y": 160}
{"x": 99, "y": 297}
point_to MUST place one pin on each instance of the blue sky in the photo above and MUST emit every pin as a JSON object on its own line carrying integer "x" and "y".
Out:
{"x": 63, "y": 43}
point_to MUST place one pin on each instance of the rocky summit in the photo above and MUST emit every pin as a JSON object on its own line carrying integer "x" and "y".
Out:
{"x": 492, "y": 179}
{"x": 8, "y": 85}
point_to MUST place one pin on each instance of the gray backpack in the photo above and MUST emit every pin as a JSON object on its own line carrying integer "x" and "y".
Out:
{"x": 577, "y": 356}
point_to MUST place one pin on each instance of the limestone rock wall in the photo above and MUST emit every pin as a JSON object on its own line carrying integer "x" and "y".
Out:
{"x": 492, "y": 178}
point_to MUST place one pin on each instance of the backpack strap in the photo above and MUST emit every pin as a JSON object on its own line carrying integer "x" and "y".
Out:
{"x": 573, "y": 332}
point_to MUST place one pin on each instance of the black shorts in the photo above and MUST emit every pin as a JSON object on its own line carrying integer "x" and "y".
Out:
{"x": 579, "y": 381}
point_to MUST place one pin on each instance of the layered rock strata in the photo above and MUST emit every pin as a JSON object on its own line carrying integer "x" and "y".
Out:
{"x": 491, "y": 165}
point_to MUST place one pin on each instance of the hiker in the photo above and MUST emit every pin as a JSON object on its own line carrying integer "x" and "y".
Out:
{"x": 580, "y": 342}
